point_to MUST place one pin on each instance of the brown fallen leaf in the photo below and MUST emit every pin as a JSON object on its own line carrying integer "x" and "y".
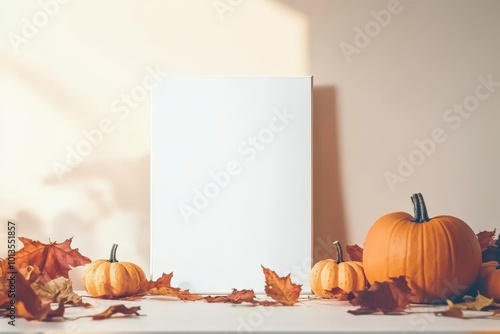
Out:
{"x": 57, "y": 290}
{"x": 281, "y": 289}
{"x": 115, "y": 309}
{"x": 162, "y": 287}
{"x": 486, "y": 239}
{"x": 477, "y": 304}
{"x": 235, "y": 297}
{"x": 336, "y": 294}
{"x": 30, "y": 306}
{"x": 386, "y": 297}
{"x": 355, "y": 252}
{"x": 452, "y": 313}
{"x": 53, "y": 259}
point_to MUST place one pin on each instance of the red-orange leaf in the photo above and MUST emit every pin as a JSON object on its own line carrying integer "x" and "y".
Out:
{"x": 30, "y": 306}
{"x": 385, "y": 297}
{"x": 162, "y": 287}
{"x": 53, "y": 260}
{"x": 336, "y": 294}
{"x": 355, "y": 252}
{"x": 163, "y": 281}
{"x": 281, "y": 289}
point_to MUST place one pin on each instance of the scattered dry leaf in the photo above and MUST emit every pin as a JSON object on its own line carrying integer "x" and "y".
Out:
{"x": 162, "y": 287}
{"x": 355, "y": 252}
{"x": 477, "y": 304}
{"x": 115, "y": 309}
{"x": 281, "y": 289}
{"x": 53, "y": 260}
{"x": 336, "y": 294}
{"x": 57, "y": 290}
{"x": 30, "y": 306}
{"x": 452, "y": 313}
{"x": 385, "y": 297}
{"x": 235, "y": 297}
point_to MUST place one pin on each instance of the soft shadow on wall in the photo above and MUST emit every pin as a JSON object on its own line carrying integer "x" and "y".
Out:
{"x": 328, "y": 205}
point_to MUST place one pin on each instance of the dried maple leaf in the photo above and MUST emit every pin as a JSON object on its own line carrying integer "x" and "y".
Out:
{"x": 57, "y": 290}
{"x": 235, "y": 297}
{"x": 30, "y": 273}
{"x": 162, "y": 287}
{"x": 451, "y": 313}
{"x": 477, "y": 304}
{"x": 30, "y": 306}
{"x": 355, "y": 252}
{"x": 281, "y": 289}
{"x": 386, "y": 297}
{"x": 163, "y": 281}
{"x": 114, "y": 309}
{"x": 53, "y": 260}
{"x": 486, "y": 239}
{"x": 336, "y": 294}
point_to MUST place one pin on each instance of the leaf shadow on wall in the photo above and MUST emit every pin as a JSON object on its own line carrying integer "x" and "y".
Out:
{"x": 123, "y": 191}
{"x": 328, "y": 204}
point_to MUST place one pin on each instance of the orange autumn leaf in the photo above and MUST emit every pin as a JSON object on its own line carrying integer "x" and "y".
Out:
{"x": 386, "y": 297}
{"x": 162, "y": 287}
{"x": 355, "y": 252}
{"x": 30, "y": 306}
{"x": 53, "y": 259}
{"x": 163, "y": 281}
{"x": 281, "y": 289}
{"x": 336, "y": 294}
{"x": 235, "y": 297}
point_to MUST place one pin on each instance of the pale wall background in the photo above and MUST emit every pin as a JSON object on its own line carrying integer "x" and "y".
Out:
{"x": 68, "y": 72}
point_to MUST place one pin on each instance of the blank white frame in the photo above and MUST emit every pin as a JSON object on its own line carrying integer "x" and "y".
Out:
{"x": 231, "y": 181}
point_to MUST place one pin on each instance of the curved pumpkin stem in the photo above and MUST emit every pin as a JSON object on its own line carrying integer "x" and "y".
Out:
{"x": 340, "y": 254}
{"x": 112, "y": 257}
{"x": 419, "y": 208}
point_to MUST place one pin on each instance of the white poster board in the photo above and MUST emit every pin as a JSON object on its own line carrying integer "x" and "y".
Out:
{"x": 231, "y": 181}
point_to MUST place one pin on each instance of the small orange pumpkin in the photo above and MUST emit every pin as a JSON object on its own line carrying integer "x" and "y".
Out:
{"x": 328, "y": 274}
{"x": 440, "y": 256}
{"x": 489, "y": 280}
{"x": 111, "y": 278}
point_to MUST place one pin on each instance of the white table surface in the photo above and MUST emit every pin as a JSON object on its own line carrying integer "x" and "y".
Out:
{"x": 163, "y": 314}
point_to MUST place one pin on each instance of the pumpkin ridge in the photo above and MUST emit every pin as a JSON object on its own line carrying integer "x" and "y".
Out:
{"x": 451, "y": 252}
{"x": 424, "y": 258}
{"x": 387, "y": 274}
{"x": 407, "y": 257}
{"x": 437, "y": 249}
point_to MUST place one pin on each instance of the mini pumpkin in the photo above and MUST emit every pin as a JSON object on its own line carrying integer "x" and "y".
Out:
{"x": 111, "y": 278}
{"x": 328, "y": 274}
{"x": 440, "y": 256}
{"x": 489, "y": 280}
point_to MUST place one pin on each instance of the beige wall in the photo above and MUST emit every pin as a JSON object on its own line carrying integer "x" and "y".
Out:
{"x": 374, "y": 97}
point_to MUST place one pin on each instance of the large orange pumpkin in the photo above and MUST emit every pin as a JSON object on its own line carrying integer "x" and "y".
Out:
{"x": 328, "y": 274}
{"x": 111, "y": 278}
{"x": 440, "y": 256}
{"x": 489, "y": 280}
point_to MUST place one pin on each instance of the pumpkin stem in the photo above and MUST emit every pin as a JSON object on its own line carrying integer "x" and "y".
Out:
{"x": 112, "y": 257}
{"x": 340, "y": 254}
{"x": 420, "y": 210}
